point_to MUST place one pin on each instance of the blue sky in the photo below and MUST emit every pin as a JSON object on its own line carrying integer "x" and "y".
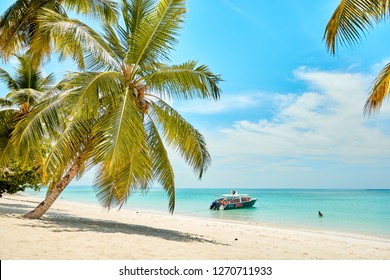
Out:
{"x": 290, "y": 115}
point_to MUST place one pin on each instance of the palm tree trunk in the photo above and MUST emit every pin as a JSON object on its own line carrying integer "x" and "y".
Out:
{"x": 55, "y": 193}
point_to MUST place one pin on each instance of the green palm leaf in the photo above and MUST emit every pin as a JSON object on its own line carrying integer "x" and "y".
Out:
{"x": 20, "y": 28}
{"x": 182, "y": 136}
{"x": 185, "y": 81}
{"x": 11, "y": 21}
{"x": 105, "y": 10}
{"x": 114, "y": 42}
{"x": 29, "y": 82}
{"x": 156, "y": 33}
{"x": 6, "y": 78}
{"x": 26, "y": 92}
{"x": 69, "y": 145}
{"x": 351, "y": 19}
{"x": 90, "y": 90}
{"x": 5, "y": 104}
{"x": 379, "y": 90}
{"x": 74, "y": 39}
{"x": 28, "y": 95}
{"x": 126, "y": 164}
{"x": 162, "y": 168}
{"x": 42, "y": 122}
{"x": 47, "y": 82}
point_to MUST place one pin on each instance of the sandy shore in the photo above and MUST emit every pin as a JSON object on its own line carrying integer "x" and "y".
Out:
{"x": 78, "y": 231}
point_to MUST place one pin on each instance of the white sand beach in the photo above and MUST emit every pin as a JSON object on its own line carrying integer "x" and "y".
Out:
{"x": 85, "y": 232}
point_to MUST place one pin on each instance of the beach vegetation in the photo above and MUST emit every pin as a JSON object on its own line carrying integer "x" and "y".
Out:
{"x": 26, "y": 88}
{"x": 351, "y": 20}
{"x": 116, "y": 113}
{"x": 14, "y": 179}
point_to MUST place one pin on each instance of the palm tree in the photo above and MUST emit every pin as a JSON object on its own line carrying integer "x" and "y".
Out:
{"x": 114, "y": 115}
{"x": 26, "y": 90}
{"x": 19, "y": 24}
{"x": 350, "y": 20}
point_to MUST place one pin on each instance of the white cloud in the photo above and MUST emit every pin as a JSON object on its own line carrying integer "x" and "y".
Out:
{"x": 324, "y": 122}
{"x": 227, "y": 103}
{"x": 317, "y": 137}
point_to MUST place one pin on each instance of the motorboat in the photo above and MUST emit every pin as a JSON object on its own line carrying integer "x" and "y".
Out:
{"x": 234, "y": 200}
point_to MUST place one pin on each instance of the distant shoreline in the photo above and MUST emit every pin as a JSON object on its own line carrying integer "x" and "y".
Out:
{"x": 81, "y": 231}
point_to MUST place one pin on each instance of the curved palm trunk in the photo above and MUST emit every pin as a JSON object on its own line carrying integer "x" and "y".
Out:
{"x": 55, "y": 193}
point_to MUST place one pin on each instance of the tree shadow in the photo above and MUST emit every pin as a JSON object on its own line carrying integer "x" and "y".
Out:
{"x": 14, "y": 208}
{"x": 61, "y": 222}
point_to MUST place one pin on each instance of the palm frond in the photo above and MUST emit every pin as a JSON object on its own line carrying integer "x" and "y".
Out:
{"x": 6, "y": 78}
{"x": 25, "y": 95}
{"x": 134, "y": 13}
{"x": 113, "y": 189}
{"x": 43, "y": 121}
{"x": 351, "y": 19}
{"x": 182, "y": 136}
{"x": 162, "y": 168}
{"x": 7, "y": 120}
{"x": 92, "y": 90}
{"x": 70, "y": 143}
{"x": 105, "y": 10}
{"x": 72, "y": 38}
{"x": 4, "y": 103}
{"x": 28, "y": 75}
{"x": 379, "y": 90}
{"x": 40, "y": 46}
{"x": 154, "y": 38}
{"x": 12, "y": 24}
{"x": 115, "y": 44}
{"x": 185, "y": 81}
{"x": 47, "y": 82}
{"x": 126, "y": 164}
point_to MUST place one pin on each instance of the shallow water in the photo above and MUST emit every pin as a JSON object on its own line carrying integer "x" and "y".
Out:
{"x": 357, "y": 211}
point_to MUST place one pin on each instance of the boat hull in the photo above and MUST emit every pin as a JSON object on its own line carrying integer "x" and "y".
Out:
{"x": 245, "y": 204}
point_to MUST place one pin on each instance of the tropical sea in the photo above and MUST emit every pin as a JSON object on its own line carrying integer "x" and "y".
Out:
{"x": 362, "y": 211}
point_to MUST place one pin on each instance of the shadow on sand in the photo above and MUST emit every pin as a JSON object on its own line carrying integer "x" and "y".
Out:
{"x": 61, "y": 222}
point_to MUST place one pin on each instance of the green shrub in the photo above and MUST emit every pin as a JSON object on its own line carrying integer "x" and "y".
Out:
{"x": 14, "y": 179}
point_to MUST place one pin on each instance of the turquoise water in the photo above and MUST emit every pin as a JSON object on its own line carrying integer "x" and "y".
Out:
{"x": 357, "y": 211}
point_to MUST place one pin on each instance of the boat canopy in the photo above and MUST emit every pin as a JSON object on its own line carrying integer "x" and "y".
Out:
{"x": 235, "y": 195}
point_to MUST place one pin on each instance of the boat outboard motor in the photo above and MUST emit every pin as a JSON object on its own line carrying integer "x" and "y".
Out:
{"x": 215, "y": 205}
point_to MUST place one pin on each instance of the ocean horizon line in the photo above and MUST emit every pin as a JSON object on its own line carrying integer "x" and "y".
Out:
{"x": 266, "y": 188}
